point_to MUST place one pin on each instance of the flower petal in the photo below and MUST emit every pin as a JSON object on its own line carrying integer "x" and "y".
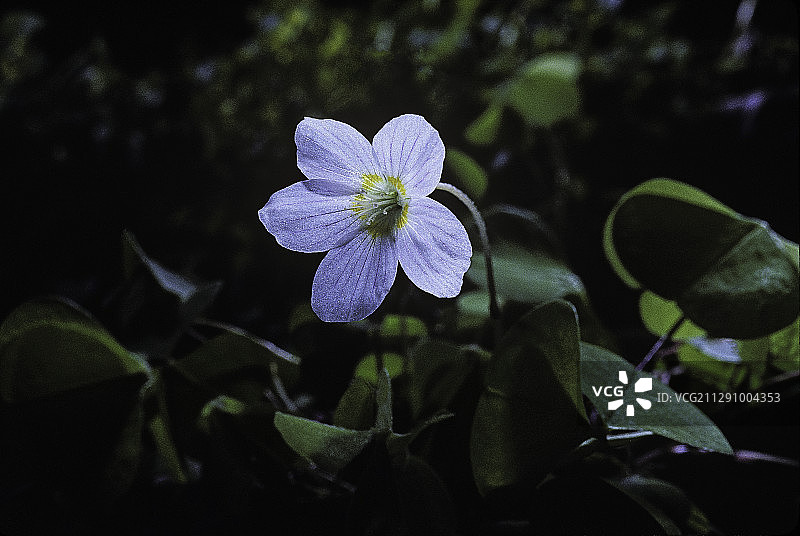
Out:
{"x": 302, "y": 220}
{"x": 333, "y": 155}
{"x": 352, "y": 280}
{"x": 433, "y": 248}
{"x": 410, "y": 149}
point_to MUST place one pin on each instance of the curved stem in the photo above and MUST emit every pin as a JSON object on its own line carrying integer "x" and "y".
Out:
{"x": 660, "y": 342}
{"x": 494, "y": 309}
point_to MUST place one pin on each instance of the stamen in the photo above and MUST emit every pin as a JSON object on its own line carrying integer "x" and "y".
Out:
{"x": 382, "y": 204}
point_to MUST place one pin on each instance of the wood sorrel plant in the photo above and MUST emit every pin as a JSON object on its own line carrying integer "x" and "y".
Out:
{"x": 367, "y": 205}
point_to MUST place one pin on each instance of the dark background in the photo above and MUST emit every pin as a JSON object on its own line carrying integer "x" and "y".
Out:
{"x": 109, "y": 123}
{"x": 175, "y": 121}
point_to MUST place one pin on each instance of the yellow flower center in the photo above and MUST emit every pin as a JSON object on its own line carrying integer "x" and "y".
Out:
{"x": 382, "y": 204}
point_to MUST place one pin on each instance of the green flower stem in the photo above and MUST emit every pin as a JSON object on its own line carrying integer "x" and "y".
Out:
{"x": 494, "y": 310}
{"x": 660, "y": 342}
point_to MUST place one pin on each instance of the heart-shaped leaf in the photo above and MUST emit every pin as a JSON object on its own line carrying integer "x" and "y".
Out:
{"x": 531, "y": 413}
{"x": 730, "y": 275}
{"x": 469, "y": 173}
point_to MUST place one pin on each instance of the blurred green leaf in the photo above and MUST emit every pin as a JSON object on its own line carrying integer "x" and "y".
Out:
{"x": 402, "y": 327}
{"x": 454, "y": 35}
{"x": 659, "y": 315}
{"x": 484, "y": 129}
{"x": 473, "y": 309}
{"x": 301, "y": 315}
{"x": 730, "y": 275}
{"x": 526, "y": 276}
{"x": 365, "y": 368}
{"x": 673, "y": 418}
{"x": 437, "y": 369}
{"x": 329, "y": 447}
{"x": 531, "y": 413}
{"x": 470, "y": 175}
{"x": 531, "y": 277}
{"x": 545, "y": 91}
{"x": 337, "y": 40}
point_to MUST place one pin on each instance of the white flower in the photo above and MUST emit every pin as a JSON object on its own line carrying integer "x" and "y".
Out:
{"x": 367, "y": 205}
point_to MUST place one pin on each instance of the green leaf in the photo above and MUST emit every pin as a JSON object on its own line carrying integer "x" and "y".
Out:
{"x": 531, "y": 413}
{"x": 165, "y": 447}
{"x": 730, "y": 275}
{"x": 437, "y": 370}
{"x": 48, "y": 347}
{"x": 194, "y": 296}
{"x": 302, "y": 315}
{"x": 721, "y": 363}
{"x": 398, "y": 444}
{"x": 233, "y": 364}
{"x": 783, "y": 346}
{"x": 673, "y": 418}
{"x": 402, "y": 327}
{"x": 469, "y": 173}
{"x": 154, "y": 306}
{"x": 483, "y": 130}
{"x": 473, "y": 310}
{"x": 716, "y": 373}
{"x": 545, "y": 91}
{"x": 474, "y": 304}
{"x": 659, "y": 315}
{"x": 220, "y": 404}
{"x": 452, "y": 37}
{"x": 394, "y": 363}
{"x": 356, "y": 409}
{"x": 667, "y": 503}
{"x": 329, "y": 447}
{"x": 242, "y": 430}
{"x": 526, "y": 276}
{"x": 236, "y": 364}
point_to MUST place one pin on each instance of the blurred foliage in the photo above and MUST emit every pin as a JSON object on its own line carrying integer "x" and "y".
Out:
{"x": 145, "y": 394}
